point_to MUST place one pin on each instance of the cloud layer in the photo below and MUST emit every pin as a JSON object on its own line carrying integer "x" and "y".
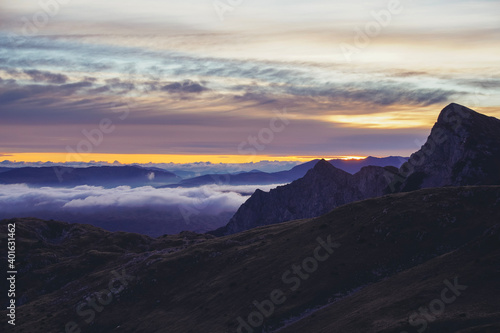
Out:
{"x": 209, "y": 199}
{"x": 144, "y": 210}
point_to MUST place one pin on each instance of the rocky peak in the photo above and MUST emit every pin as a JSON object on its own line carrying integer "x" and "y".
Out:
{"x": 462, "y": 149}
{"x": 323, "y": 166}
{"x": 323, "y": 188}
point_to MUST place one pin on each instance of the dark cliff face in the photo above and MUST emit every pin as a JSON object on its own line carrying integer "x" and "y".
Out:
{"x": 322, "y": 189}
{"x": 462, "y": 149}
{"x": 372, "y": 180}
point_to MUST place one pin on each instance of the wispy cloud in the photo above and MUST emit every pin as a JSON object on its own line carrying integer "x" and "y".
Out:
{"x": 192, "y": 75}
{"x": 186, "y": 86}
{"x": 40, "y": 76}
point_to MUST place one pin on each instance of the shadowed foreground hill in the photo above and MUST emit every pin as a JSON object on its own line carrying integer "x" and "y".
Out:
{"x": 387, "y": 258}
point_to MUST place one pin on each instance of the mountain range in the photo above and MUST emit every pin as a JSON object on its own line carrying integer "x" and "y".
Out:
{"x": 462, "y": 149}
{"x": 257, "y": 177}
{"x": 134, "y": 175}
{"x": 107, "y": 176}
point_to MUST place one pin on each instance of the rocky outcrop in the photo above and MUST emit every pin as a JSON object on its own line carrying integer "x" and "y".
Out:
{"x": 372, "y": 181}
{"x": 462, "y": 149}
{"x": 322, "y": 189}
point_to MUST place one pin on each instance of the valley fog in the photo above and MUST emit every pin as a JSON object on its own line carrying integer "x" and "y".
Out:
{"x": 146, "y": 210}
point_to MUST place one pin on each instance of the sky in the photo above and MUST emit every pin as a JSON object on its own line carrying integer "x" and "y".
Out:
{"x": 236, "y": 80}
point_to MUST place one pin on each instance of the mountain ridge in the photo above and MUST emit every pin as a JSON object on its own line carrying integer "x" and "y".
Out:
{"x": 462, "y": 149}
{"x": 256, "y": 177}
{"x": 325, "y": 188}
{"x": 94, "y": 175}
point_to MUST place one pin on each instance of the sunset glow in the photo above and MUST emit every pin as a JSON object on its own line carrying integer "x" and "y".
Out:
{"x": 157, "y": 158}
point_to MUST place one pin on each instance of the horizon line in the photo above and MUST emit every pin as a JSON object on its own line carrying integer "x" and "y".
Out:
{"x": 167, "y": 158}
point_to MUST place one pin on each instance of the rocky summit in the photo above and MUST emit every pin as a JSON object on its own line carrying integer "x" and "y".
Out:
{"x": 462, "y": 149}
{"x": 323, "y": 188}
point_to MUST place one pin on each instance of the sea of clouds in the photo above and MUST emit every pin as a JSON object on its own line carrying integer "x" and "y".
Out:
{"x": 145, "y": 209}
{"x": 212, "y": 199}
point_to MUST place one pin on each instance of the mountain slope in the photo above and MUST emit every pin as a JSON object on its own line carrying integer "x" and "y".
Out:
{"x": 322, "y": 189}
{"x": 462, "y": 149}
{"x": 193, "y": 283}
{"x": 394, "y": 305}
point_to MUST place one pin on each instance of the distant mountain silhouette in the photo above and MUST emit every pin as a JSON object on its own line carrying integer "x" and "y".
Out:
{"x": 107, "y": 176}
{"x": 353, "y": 166}
{"x": 3, "y": 169}
{"x": 248, "y": 178}
{"x": 135, "y": 175}
{"x": 256, "y": 177}
{"x": 463, "y": 149}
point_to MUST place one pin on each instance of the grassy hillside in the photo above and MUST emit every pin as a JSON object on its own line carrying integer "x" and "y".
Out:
{"x": 390, "y": 255}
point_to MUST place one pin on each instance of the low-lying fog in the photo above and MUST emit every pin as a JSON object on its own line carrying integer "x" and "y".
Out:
{"x": 145, "y": 210}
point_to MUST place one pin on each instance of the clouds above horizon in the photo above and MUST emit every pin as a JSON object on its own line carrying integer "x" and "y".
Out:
{"x": 211, "y": 84}
{"x": 179, "y": 75}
